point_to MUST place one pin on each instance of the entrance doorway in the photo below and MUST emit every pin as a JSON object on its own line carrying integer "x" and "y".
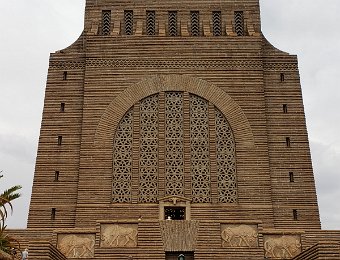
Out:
{"x": 178, "y": 255}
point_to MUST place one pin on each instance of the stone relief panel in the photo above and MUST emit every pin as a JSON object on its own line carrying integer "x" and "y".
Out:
{"x": 236, "y": 235}
{"x": 119, "y": 235}
{"x": 282, "y": 247}
{"x": 76, "y": 245}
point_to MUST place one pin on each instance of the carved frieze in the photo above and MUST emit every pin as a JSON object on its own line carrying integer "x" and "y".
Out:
{"x": 195, "y": 64}
{"x": 282, "y": 246}
{"x": 77, "y": 245}
{"x": 236, "y": 235}
{"x": 119, "y": 235}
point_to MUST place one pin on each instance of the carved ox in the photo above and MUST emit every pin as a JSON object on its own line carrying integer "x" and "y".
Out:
{"x": 73, "y": 246}
{"x": 283, "y": 247}
{"x": 118, "y": 236}
{"x": 239, "y": 236}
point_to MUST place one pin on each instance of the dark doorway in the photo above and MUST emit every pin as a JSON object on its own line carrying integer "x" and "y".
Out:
{"x": 176, "y": 255}
{"x": 174, "y": 213}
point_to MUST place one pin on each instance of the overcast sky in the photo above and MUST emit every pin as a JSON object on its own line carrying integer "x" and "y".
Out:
{"x": 30, "y": 30}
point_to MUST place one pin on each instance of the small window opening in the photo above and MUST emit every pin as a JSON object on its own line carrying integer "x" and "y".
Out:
{"x": 174, "y": 213}
{"x": 106, "y": 22}
{"x": 128, "y": 20}
{"x": 282, "y": 77}
{"x": 65, "y": 75}
{"x": 195, "y": 23}
{"x": 53, "y": 213}
{"x": 288, "y": 141}
{"x": 62, "y": 107}
{"x": 150, "y": 22}
{"x": 172, "y": 23}
{"x": 295, "y": 214}
{"x": 60, "y": 140}
{"x": 217, "y": 23}
{"x": 239, "y": 23}
{"x": 291, "y": 177}
{"x": 285, "y": 108}
{"x": 56, "y": 176}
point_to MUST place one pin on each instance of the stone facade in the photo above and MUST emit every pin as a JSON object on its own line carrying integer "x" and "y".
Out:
{"x": 174, "y": 128}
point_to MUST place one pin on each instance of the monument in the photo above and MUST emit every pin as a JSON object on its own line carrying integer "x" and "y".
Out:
{"x": 174, "y": 130}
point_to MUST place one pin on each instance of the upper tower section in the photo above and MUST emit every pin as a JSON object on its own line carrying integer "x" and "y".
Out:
{"x": 172, "y": 18}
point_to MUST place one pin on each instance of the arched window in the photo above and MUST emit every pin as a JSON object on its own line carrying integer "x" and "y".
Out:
{"x": 184, "y": 144}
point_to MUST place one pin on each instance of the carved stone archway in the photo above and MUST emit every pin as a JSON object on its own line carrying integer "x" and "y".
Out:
{"x": 120, "y": 105}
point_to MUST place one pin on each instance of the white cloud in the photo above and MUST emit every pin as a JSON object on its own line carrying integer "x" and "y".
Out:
{"x": 33, "y": 30}
{"x": 309, "y": 29}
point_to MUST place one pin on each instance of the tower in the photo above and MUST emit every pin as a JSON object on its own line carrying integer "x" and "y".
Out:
{"x": 174, "y": 129}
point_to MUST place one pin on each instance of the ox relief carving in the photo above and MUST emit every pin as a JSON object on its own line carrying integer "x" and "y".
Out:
{"x": 76, "y": 245}
{"x": 239, "y": 235}
{"x": 119, "y": 235}
{"x": 282, "y": 247}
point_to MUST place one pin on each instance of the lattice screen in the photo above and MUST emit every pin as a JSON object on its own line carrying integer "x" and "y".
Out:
{"x": 217, "y": 23}
{"x": 195, "y": 23}
{"x": 106, "y": 22}
{"x": 148, "y": 154}
{"x": 150, "y": 22}
{"x": 200, "y": 159}
{"x": 178, "y": 125}
{"x": 174, "y": 153}
{"x": 239, "y": 23}
{"x": 172, "y": 23}
{"x": 128, "y": 21}
{"x": 226, "y": 161}
{"x": 122, "y": 159}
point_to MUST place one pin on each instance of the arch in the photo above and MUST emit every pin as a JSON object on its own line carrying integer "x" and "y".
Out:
{"x": 123, "y": 102}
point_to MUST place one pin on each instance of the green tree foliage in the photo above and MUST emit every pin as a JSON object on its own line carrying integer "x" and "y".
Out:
{"x": 7, "y": 243}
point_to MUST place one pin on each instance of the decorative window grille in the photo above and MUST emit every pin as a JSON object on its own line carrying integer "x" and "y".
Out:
{"x": 174, "y": 153}
{"x": 148, "y": 143}
{"x": 200, "y": 155}
{"x": 150, "y": 22}
{"x": 178, "y": 128}
{"x": 173, "y": 30}
{"x": 195, "y": 23}
{"x": 226, "y": 161}
{"x": 128, "y": 21}
{"x": 239, "y": 23}
{"x": 122, "y": 160}
{"x": 217, "y": 23}
{"x": 106, "y": 22}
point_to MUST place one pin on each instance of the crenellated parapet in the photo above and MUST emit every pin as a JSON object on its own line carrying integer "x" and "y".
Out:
{"x": 174, "y": 19}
